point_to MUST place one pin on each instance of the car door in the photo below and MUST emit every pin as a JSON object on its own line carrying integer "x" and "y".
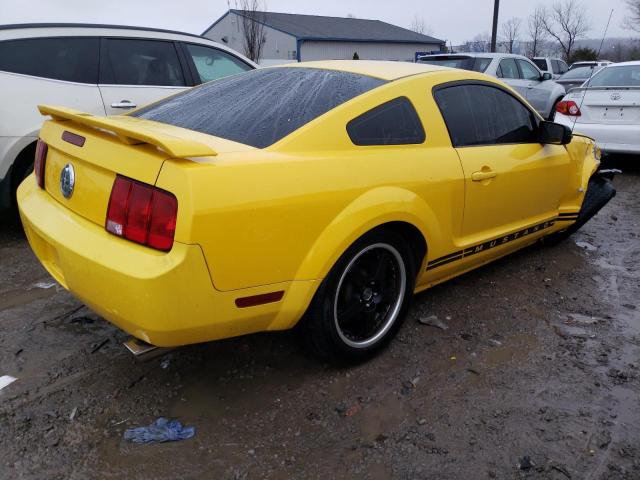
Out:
{"x": 537, "y": 92}
{"x": 208, "y": 63}
{"x": 134, "y": 72}
{"x": 512, "y": 182}
{"x": 509, "y": 72}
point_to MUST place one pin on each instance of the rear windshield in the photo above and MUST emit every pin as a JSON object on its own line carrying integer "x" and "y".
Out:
{"x": 259, "y": 107}
{"x": 541, "y": 63}
{"x": 579, "y": 73}
{"x": 627, "y": 76}
{"x": 476, "y": 64}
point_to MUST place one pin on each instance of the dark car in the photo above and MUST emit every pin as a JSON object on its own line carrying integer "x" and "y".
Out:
{"x": 576, "y": 77}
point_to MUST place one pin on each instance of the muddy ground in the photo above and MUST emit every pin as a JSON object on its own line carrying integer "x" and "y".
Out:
{"x": 537, "y": 376}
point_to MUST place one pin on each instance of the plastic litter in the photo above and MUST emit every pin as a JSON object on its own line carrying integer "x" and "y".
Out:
{"x": 433, "y": 321}
{"x": 161, "y": 430}
{"x": 6, "y": 380}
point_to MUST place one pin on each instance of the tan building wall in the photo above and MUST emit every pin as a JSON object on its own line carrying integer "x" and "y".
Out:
{"x": 279, "y": 47}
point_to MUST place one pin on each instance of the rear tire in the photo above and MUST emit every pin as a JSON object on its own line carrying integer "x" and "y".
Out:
{"x": 361, "y": 304}
{"x": 22, "y": 168}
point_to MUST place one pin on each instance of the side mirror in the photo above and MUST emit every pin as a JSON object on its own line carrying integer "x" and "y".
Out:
{"x": 554, "y": 133}
{"x": 546, "y": 76}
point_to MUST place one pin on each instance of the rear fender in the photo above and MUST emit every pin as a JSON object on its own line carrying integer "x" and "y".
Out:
{"x": 370, "y": 210}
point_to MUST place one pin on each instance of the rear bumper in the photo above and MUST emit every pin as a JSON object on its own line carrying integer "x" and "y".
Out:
{"x": 610, "y": 138}
{"x": 166, "y": 299}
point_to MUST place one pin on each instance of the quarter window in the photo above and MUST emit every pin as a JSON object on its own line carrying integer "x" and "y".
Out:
{"x": 529, "y": 72}
{"x": 393, "y": 123}
{"x": 485, "y": 115}
{"x": 212, "y": 64}
{"x": 70, "y": 59}
{"x": 508, "y": 69}
{"x": 141, "y": 62}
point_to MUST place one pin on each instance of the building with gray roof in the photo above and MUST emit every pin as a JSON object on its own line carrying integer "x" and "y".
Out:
{"x": 292, "y": 37}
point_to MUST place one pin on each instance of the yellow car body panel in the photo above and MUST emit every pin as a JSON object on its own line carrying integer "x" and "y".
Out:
{"x": 254, "y": 221}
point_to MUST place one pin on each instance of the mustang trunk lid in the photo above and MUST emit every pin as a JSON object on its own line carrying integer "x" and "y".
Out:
{"x": 100, "y": 148}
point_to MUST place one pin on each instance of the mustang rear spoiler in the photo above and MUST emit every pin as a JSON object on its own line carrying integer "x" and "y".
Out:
{"x": 133, "y": 131}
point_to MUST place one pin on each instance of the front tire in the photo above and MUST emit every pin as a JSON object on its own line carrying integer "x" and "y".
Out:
{"x": 361, "y": 304}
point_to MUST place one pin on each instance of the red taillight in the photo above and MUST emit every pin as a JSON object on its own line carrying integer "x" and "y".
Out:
{"x": 568, "y": 107}
{"x": 142, "y": 213}
{"x": 39, "y": 162}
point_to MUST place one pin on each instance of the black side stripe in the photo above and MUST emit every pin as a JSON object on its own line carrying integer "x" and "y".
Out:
{"x": 496, "y": 242}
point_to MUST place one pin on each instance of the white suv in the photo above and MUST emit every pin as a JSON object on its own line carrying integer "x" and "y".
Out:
{"x": 99, "y": 69}
{"x": 555, "y": 66}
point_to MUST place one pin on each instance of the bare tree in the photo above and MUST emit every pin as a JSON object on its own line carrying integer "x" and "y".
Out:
{"x": 511, "y": 31}
{"x": 537, "y": 32}
{"x": 253, "y": 18}
{"x": 418, "y": 25}
{"x": 632, "y": 22}
{"x": 566, "y": 23}
{"x": 480, "y": 43}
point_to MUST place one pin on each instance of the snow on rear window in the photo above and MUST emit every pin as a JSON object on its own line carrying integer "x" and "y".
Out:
{"x": 259, "y": 107}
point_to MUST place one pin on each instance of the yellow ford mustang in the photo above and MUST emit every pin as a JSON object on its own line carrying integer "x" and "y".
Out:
{"x": 324, "y": 193}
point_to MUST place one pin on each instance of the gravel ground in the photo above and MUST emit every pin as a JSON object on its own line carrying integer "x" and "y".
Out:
{"x": 537, "y": 375}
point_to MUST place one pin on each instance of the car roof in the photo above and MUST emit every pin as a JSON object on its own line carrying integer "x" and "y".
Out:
{"x": 623, "y": 64}
{"x": 18, "y": 26}
{"x": 475, "y": 54}
{"x": 384, "y": 70}
{"x": 45, "y": 30}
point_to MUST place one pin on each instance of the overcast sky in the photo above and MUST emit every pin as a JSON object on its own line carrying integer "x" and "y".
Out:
{"x": 451, "y": 20}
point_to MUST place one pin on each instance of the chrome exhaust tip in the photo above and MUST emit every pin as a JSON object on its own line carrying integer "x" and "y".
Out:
{"x": 143, "y": 351}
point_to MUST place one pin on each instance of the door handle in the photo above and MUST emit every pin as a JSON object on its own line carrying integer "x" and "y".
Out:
{"x": 484, "y": 175}
{"x": 123, "y": 104}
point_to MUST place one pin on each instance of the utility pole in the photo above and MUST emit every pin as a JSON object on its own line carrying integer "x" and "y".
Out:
{"x": 494, "y": 32}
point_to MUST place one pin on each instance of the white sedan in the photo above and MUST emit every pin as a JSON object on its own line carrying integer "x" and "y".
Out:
{"x": 606, "y": 108}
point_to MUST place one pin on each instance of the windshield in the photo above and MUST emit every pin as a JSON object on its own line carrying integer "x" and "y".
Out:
{"x": 259, "y": 107}
{"x": 476, "y": 64}
{"x": 623, "y": 76}
{"x": 541, "y": 63}
{"x": 579, "y": 73}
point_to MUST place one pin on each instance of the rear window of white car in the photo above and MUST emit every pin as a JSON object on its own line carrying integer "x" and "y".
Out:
{"x": 623, "y": 76}
{"x": 259, "y": 107}
{"x": 61, "y": 58}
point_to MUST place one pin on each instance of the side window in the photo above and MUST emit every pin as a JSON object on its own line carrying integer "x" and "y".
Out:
{"x": 485, "y": 115}
{"x": 393, "y": 123}
{"x": 556, "y": 66}
{"x": 70, "y": 59}
{"x": 564, "y": 68}
{"x": 140, "y": 62}
{"x": 212, "y": 63}
{"x": 529, "y": 72}
{"x": 509, "y": 68}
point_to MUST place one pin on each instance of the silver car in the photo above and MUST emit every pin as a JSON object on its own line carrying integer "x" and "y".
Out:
{"x": 515, "y": 70}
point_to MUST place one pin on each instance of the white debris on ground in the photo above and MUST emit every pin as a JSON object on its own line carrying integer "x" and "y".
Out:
{"x": 6, "y": 380}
